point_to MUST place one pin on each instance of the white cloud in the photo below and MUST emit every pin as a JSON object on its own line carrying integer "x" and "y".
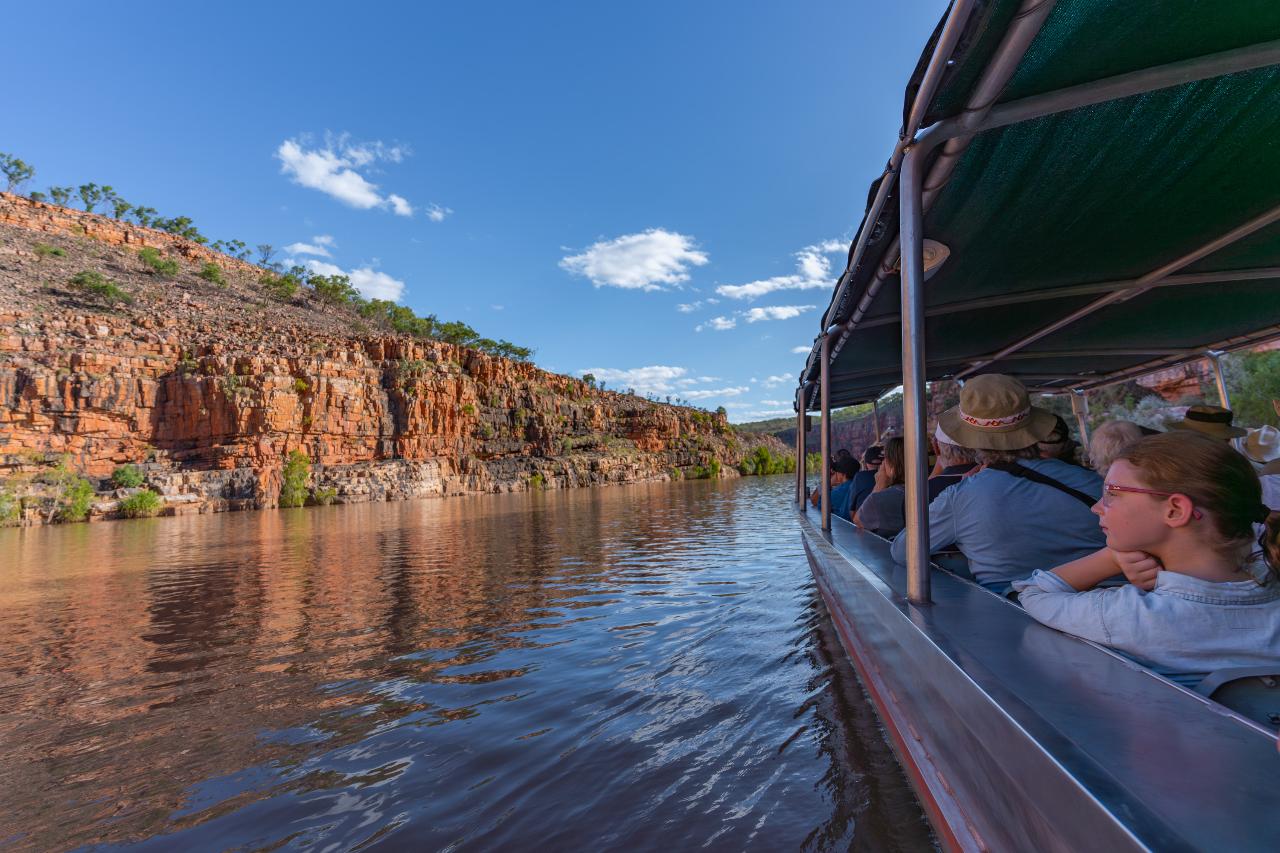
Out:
{"x": 331, "y": 169}
{"x": 777, "y": 312}
{"x": 688, "y": 307}
{"x": 707, "y": 393}
{"x": 436, "y": 213}
{"x": 774, "y": 381}
{"x": 497, "y": 307}
{"x": 773, "y": 402}
{"x": 656, "y": 379}
{"x": 644, "y": 261}
{"x": 813, "y": 271}
{"x": 371, "y": 283}
{"x": 400, "y": 205}
{"x": 804, "y": 350}
{"x": 762, "y": 414}
{"x": 720, "y": 324}
{"x": 319, "y": 245}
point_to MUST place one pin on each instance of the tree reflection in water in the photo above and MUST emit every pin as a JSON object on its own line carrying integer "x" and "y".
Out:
{"x": 630, "y": 667}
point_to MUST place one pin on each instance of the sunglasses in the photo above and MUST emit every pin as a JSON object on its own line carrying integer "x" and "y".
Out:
{"x": 1109, "y": 489}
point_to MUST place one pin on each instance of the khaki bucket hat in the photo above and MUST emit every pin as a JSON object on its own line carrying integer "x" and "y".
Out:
{"x": 995, "y": 413}
{"x": 1213, "y": 421}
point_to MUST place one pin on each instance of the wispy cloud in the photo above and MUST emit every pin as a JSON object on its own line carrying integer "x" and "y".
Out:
{"x": 775, "y": 381}
{"x": 813, "y": 271}
{"x": 801, "y": 350}
{"x": 371, "y": 283}
{"x": 656, "y": 379}
{"x": 437, "y": 213}
{"x": 645, "y": 261}
{"x": 777, "y": 312}
{"x": 708, "y": 393}
{"x": 319, "y": 245}
{"x": 720, "y": 324}
{"x": 334, "y": 168}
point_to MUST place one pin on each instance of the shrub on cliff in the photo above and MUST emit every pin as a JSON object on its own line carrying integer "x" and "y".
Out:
{"x": 323, "y": 497}
{"x": 333, "y": 289}
{"x": 182, "y": 226}
{"x": 93, "y": 283}
{"x": 293, "y": 479}
{"x": 44, "y": 250}
{"x": 157, "y": 263}
{"x": 284, "y": 286}
{"x": 211, "y": 272}
{"x": 141, "y": 505}
{"x": 128, "y": 477}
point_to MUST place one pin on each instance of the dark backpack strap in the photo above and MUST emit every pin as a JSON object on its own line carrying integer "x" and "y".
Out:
{"x": 1025, "y": 473}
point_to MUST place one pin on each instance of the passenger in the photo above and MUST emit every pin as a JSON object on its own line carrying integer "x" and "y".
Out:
{"x": 1108, "y": 440}
{"x": 841, "y": 473}
{"x": 1020, "y": 511}
{"x": 844, "y": 454}
{"x": 884, "y": 510}
{"x": 1059, "y": 444}
{"x": 842, "y": 495}
{"x": 954, "y": 463}
{"x": 1262, "y": 448}
{"x": 1213, "y": 421}
{"x": 865, "y": 480}
{"x": 1179, "y": 513}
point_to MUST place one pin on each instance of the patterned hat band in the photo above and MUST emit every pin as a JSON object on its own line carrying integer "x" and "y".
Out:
{"x": 1009, "y": 420}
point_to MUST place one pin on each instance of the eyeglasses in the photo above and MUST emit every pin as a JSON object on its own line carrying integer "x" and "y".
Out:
{"x": 1108, "y": 489}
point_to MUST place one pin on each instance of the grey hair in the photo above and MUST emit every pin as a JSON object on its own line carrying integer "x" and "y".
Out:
{"x": 955, "y": 454}
{"x": 1109, "y": 441}
{"x": 988, "y": 457}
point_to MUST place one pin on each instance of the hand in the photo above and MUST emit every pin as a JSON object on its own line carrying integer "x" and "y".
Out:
{"x": 1139, "y": 567}
{"x": 884, "y": 477}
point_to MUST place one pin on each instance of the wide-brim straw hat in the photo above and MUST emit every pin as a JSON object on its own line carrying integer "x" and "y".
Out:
{"x": 995, "y": 413}
{"x": 1213, "y": 421}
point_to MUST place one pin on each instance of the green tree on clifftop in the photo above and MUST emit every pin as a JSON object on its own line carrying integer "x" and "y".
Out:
{"x": 15, "y": 171}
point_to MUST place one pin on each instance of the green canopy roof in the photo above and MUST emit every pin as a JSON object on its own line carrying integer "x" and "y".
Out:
{"x": 1046, "y": 215}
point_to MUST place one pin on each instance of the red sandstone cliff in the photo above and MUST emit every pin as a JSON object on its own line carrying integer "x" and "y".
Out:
{"x": 209, "y": 387}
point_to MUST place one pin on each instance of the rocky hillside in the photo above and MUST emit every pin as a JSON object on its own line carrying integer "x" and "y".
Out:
{"x": 207, "y": 383}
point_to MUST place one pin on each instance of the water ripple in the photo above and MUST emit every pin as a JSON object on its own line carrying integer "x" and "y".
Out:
{"x": 623, "y": 668}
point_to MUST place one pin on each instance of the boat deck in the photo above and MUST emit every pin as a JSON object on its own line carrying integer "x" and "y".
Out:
{"x": 1020, "y": 737}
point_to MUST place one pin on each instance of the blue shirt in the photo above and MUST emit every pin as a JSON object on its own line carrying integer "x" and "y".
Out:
{"x": 1009, "y": 527}
{"x": 863, "y": 483}
{"x": 841, "y": 498}
{"x": 1184, "y": 629}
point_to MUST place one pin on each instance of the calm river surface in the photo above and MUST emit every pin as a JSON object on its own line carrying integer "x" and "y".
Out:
{"x": 630, "y": 668}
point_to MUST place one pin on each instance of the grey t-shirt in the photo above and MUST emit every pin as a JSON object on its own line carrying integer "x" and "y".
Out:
{"x": 885, "y": 511}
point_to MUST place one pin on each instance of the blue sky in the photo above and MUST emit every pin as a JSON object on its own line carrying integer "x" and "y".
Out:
{"x": 651, "y": 192}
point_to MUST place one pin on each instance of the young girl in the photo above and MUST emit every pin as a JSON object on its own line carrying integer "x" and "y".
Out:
{"x": 1178, "y": 511}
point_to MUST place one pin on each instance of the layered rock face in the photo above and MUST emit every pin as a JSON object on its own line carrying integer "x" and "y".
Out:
{"x": 210, "y": 389}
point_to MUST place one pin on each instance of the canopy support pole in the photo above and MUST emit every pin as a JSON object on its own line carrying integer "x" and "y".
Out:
{"x": 1080, "y": 408}
{"x": 875, "y": 412}
{"x": 1215, "y": 358}
{"x": 825, "y": 437}
{"x": 802, "y": 476}
{"x": 911, "y": 231}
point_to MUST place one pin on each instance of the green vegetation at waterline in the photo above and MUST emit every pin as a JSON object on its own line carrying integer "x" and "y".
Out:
{"x": 763, "y": 462}
{"x": 142, "y": 504}
{"x": 293, "y": 479}
{"x": 127, "y": 477}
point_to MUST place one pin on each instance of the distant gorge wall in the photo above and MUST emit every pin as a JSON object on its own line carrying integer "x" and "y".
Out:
{"x": 382, "y": 418}
{"x": 209, "y": 391}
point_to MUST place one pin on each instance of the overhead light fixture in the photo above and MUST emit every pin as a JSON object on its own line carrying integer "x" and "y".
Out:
{"x": 935, "y": 255}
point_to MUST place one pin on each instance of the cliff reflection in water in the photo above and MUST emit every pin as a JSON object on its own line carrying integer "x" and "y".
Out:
{"x": 626, "y": 667}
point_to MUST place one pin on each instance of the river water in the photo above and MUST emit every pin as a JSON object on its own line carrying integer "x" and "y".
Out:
{"x": 630, "y": 668}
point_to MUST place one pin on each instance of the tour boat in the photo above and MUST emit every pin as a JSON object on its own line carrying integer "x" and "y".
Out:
{"x": 1099, "y": 184}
